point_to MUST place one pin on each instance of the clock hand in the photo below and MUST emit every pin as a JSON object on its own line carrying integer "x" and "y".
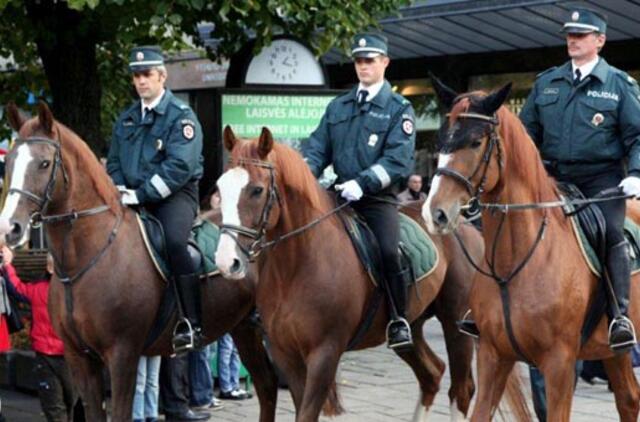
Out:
{"x": 286, "y": 62}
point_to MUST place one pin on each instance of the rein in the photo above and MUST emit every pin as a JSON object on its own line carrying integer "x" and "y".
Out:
{"x": 258, "y": 235}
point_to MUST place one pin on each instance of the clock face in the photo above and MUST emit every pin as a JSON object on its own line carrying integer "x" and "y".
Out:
{"x": 285, "y": 62}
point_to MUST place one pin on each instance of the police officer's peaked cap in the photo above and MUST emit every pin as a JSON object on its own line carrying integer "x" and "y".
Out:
{"x": 369, "y": 44}
{"x": 145, "y": 57}
{"x": 584, "y": 21}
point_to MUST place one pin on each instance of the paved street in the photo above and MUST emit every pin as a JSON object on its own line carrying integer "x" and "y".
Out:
{"x": 375, "y": 386}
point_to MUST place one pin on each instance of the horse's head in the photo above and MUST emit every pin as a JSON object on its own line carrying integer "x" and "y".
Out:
{"x": 249, "y": 201}
{"x": 33, "y": 173}
{"x": 469, "y": 160}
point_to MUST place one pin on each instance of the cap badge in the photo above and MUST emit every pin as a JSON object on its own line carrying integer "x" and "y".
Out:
{"x": 373, "y": 140}
{"x": 597, "y": 119}
{"x": 362, "y": 42}
{"x": 575, "y": 16}
{"x": 139, "y": 56}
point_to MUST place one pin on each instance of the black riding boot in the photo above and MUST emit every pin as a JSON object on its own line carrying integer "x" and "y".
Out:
{"x": 187, "y": 333}
{"x": 622, "y": 334}
{"x": 468, "y": 326}
{"x": 398, "y": 329}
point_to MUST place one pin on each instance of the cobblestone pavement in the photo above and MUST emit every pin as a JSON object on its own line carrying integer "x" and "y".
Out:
{"x": 375, "y": 386}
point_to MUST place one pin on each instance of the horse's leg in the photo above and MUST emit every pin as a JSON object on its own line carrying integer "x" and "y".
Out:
{"x": 625, "y": 386}
{"x": 427, "y": 367}
{"x": 492, "y": 377}
{"x": 87, "y": 376}
{"x": 322, "y": 364}
{"x": 122, "y": 361}
{"x": 293, "y": 367}
{"x": 558, "y": 368}
{"x": 460, "y": 353}
{"x": 248, "y": 339}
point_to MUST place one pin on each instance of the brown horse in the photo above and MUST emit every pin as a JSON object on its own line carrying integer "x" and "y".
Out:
{"x": 313, "y": 293}
{"x": 51, "y": 171}
{"x": 485, "y": 152}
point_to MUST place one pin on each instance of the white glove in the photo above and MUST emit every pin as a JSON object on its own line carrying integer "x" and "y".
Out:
{"x": 121, "y": 188}
{"x": 351, "y": 190}
{"x": 129, "y": 197}
{"x": 631, "y": 186}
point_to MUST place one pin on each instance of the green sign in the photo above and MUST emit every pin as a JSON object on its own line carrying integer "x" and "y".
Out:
{"x": 288, "y": 117}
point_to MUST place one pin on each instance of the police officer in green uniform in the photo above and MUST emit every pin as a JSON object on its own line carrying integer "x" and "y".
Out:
{"x": 368, "y": 135}
{"x": 155, "y": 159}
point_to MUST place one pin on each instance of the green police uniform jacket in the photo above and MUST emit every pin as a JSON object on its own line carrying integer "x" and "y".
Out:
{"x": 158, "y": 155}
{"x": 372, "y": 144}
{"x": 589, "y": 128}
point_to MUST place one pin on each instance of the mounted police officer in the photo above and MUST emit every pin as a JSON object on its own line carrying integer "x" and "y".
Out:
{"x": 368, "y": 135}
{"x": 156, "y": 159}
{"x": 584, "y": 117}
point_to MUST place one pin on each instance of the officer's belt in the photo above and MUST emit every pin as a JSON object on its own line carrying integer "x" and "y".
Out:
{"x": 558, "y": 163}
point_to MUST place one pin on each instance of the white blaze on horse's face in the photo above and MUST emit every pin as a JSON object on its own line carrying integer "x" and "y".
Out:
{"x": 18, "y": 176}
{"x": 443, "y": 161}
{"x": 230, "y": 186}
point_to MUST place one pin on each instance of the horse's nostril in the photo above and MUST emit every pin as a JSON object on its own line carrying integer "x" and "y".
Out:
{"x": 16, "y": 229}
{"x": 236, "y": 267}
{"x": 441, "y": 217}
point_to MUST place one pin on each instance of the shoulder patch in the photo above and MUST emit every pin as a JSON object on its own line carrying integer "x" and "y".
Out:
{"x": 551, "y": 69}
{"x": 407, "y": 124}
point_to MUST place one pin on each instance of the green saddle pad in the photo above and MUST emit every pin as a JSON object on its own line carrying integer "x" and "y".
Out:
{"x": 206, "y": 236}
{"x": 419, "y": 247}
{"x": 631, "y": 232}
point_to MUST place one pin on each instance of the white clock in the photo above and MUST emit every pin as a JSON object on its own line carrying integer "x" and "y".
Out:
{"x": 285, "y": 62}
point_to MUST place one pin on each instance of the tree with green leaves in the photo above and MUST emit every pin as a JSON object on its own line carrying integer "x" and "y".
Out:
{"x": 74, "y": 52}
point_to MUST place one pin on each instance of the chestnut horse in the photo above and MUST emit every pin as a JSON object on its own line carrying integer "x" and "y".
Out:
{"x": 486, "y": 154}
{"x": 313, "y": 293}
{"x": 51, "y": 171}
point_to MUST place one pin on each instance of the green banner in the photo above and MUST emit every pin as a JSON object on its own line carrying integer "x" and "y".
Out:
{"x": 288, "y": 117}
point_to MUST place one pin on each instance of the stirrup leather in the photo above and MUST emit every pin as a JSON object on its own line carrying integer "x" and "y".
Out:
{"x": 405, "y": 323}
{"x": 183, "y": 331}
{"x": 627, "y": 344}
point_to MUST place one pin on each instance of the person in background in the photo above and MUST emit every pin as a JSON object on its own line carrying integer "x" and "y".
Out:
{"x": 413, "y": 192}
{"x": 145, "y": 400}
{"x": 56, "y": 392}
{"x": 229, "y": 370}
{"x": 201, "y": 381}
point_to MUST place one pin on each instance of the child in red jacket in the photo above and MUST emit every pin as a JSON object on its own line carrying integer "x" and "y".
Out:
{"x": 57, "y": 396}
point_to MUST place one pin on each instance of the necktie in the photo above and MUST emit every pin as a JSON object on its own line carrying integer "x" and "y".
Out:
{"x": 576, "y": 80}
{"x": 145, "y": 111}
{"x": 362, "y": 96}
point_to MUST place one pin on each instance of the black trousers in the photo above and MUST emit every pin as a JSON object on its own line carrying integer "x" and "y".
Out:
{"x": 174, "y": 384}
{"x": 382, "y": 218}
{"x": 613, "y": 211}
{"x": 176, "y": 214}
{"x": 57, "y": 396}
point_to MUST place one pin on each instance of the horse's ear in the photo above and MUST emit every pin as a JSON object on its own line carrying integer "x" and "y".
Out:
{"x": 15, "y": 118}
{"x": 493, "y": 101}
{"x": 229, "y": 138}
{"x": 45, "y": 117}
{"x": 265, "y": 143}
{"x": 445, "y": 94}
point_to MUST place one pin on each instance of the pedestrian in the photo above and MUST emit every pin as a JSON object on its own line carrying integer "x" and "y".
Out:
{"x": 145, "y": 399}
{"x": 201, "y": 380}
{"x": 229, "y": 370}
{"x": 55, "y": 387}
{"x": 413, "y": 192}
{"x": 368, "y": 135}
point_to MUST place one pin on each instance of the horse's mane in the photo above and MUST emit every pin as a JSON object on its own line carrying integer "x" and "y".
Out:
{"x": 75, "y": 148}
{"x": 292, "y": 173}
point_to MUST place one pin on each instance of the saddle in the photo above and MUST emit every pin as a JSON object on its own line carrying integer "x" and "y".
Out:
{"x": 589, "y": 228}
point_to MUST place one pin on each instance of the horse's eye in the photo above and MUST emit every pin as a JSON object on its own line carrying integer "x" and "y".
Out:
{"x": 45, "y": 164}
{"x": 256, "y": 191}
{"x": 476, "y": 143}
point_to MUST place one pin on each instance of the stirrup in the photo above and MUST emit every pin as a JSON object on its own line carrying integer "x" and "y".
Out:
{"x": 401, "y": 344}
{"x": 183, "y": 336}
{"x": 626, "y": 345}
{"x": 467, "y": 325}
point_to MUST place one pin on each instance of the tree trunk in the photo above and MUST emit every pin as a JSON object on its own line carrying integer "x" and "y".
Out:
{"x": 67, "y": 46}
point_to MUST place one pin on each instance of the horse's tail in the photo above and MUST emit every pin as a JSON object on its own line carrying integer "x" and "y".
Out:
{"x": 332, "y": 406}
{"x": 516, "y": 397}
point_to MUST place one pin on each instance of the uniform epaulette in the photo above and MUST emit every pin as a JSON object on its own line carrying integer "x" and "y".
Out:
{"x": 626, "y": 77}
{"x": 399, "y": 98}
{"x": 544, "y": 72}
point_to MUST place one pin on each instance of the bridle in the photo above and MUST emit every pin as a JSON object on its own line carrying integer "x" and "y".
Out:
{"x": 483, "y": 165}
{"x": 259, "y": 235}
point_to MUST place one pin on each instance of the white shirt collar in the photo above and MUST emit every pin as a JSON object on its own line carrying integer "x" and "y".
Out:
{"x": 585, "y": 69}
{"x": 371, "y": 89}
{"x": 152, "y": 104}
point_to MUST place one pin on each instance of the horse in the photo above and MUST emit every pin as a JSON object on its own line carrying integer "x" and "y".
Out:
{"x": 313, "y": 293}
{"x": 114, "y": 288}
{"x": 537, "y": 309}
